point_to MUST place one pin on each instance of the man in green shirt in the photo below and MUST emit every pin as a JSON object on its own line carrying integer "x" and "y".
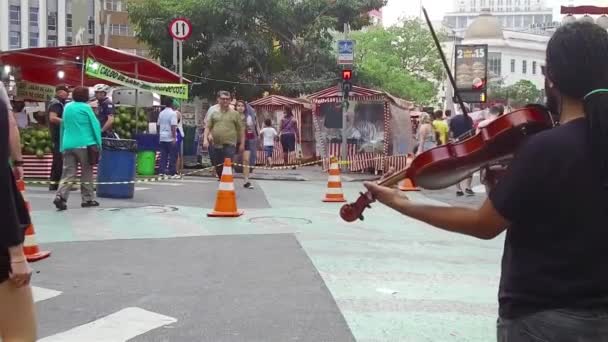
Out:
{"x": 224, "y": 129}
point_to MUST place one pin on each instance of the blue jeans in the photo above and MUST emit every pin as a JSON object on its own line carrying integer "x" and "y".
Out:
{"x": 556, "y": 326}
{"x": 220, "y": 152}
{"x": 168, "y": 152}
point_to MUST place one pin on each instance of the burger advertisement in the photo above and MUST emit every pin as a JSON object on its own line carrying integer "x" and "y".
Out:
{"x": 471, "y": 72}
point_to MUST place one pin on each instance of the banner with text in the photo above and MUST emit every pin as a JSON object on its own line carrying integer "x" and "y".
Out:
{"x": 98, "y": 70}
{"x": 28, "y": 91}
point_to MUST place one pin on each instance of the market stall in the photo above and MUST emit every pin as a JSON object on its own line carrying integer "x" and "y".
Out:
{"x": 273, "y": 107}
{"x": 378, "y": 128}
{"x": 37, "y": 71}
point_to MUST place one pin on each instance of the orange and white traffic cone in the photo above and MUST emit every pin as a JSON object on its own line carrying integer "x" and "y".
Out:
{"x": 30, "y": 247}
{"x": 334, "y": 183}
{"x": 225, "y": 202}
{"x": 407, "y": 184}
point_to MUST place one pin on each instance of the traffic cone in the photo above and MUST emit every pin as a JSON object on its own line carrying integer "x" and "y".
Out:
{"x": 334, "y": 184}
{"x": 30, "y": 247}
{"x": 407, "y": 184}
{"x": 225, "y": 202}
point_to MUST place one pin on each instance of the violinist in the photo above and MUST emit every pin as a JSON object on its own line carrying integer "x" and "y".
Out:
{"x": 552, "y": 202}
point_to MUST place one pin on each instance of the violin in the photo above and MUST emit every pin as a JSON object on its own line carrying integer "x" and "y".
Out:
{"x": 446, "y": 165}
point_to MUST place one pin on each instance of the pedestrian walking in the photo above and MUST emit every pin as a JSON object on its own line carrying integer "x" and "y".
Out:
{"x": 167, "y": 129}
{"x": 426, "y": 134}
{"x": 80, "y": 145}
{"x": 250, "y": 126}
{"x": 55, "y": 112}
{"x": 268, "y": 135}
{"x": 289, "y": 134}
{"x": 224, "y": 130}
{"x": 553, "y": 281}
{"x": 17, "y": 313}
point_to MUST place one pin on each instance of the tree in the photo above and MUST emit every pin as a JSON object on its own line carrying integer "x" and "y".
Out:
{"x": 402, "y": 60}
{"x": 270, "y": 42}
{"x": 517, "y": 95}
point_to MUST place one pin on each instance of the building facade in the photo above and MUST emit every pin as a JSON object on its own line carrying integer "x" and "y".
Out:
{"x": 42, "y": 23}
{"x": 116, "y": 30}
{"x": 512, "y": 14}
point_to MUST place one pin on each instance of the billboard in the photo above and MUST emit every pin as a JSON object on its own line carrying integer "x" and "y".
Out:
{"x": 471, "y": 72}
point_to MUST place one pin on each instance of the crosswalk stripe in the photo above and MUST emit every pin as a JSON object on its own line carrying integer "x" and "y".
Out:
{"x": 120, "y": 326}
{"x": 40, "y": 293}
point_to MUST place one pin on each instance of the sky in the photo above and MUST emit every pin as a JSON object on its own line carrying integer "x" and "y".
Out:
{"x": 436, "y": 8}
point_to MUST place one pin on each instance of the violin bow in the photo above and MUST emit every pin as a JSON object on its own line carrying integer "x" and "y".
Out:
{"x": 445, "y": 63}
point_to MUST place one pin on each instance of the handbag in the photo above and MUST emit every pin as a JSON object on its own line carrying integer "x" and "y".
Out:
{"x": 93, "y": 154}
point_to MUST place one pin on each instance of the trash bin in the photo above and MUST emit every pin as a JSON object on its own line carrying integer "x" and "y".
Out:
{"x": 117, "y": 164}
{"x": 147, "y": 145}
{"x": 146, "y": 163}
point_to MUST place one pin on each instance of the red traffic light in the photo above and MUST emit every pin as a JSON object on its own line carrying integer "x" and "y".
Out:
{"x": 347, "y": 75}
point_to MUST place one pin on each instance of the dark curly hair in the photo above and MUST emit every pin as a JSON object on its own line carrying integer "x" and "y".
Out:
{"x": 577, "y": 64}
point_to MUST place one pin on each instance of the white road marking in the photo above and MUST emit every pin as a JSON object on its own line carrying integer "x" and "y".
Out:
{"x": 120, "y": 326}
{"x": 164, "y": 183}
{"x": 139, "y": 189}
{"x": 41, "y": 293}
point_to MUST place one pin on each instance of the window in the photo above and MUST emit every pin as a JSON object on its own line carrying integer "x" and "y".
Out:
{"x": 15, "y": 39}
{"x": 113, "y": 5}
{"x": 524, "y": 67}
{"x": 68, "y": 22}
{"x": 51, "y": 41}
{"x": 534, "y": 68}
{"x": 34, "y": 39}
{"x": 494, "y": 64}
{"x": 121, "y": 30}
{"x": 52, "y": 21}
{"x": 142, "y": 52}
{"x": 33, "y": 16}
{"x": 91, "y": 28}
{"x": 512, "y": 66}
{"x": 15, "y": 15}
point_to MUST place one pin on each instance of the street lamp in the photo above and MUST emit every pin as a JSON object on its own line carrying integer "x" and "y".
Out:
{"x": 60, "y": 74}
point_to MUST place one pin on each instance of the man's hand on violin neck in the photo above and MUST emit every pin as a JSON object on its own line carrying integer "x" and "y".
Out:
{"x": 387, "y": 196}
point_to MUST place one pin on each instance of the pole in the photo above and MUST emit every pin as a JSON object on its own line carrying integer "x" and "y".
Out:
{"x": 174, "y": 67}
{"x": 82, "y": 66}
{"x": 181, "y": 62}
{"x": 136, "y": 96}
{"x": 343, "y": 149}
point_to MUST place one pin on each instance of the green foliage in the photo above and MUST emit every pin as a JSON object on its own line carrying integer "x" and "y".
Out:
{"x": 517, "y": 95}
{"x": 252, "y": 41}
{"x": 402, "y": 60}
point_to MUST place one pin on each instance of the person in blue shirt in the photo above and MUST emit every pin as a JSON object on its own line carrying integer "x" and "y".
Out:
{"x": 105, "y": 110}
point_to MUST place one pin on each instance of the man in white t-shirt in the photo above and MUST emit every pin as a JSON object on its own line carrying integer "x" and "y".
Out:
{"x": 167, "y": 131}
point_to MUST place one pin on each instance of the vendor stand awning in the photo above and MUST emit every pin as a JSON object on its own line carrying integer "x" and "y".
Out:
{"x": 395, "y": 126}
{"x": 42, "y": 65}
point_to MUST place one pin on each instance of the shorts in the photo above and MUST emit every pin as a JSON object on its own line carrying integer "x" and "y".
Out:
{"x": 289, "y": 142}
{"x": 268, "y": 151}
{"x": 251, "y": 145}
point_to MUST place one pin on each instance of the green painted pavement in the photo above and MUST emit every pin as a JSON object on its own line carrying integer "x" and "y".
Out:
{"x": 394, "y": 278}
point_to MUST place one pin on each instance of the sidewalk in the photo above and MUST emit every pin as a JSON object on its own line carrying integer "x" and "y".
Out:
{"x": 305, "y": 173}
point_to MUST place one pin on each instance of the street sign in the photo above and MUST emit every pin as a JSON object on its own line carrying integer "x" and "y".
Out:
{"x": 346, "y": 52}
{"x": 180, "y": 28}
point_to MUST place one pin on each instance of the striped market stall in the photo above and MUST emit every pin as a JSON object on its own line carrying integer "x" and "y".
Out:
{"x": 273, "y": 107}
{"x": 378, "y": 128}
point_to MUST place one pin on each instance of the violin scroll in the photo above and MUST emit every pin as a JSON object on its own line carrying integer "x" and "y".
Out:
{"x": 353, "y": 211}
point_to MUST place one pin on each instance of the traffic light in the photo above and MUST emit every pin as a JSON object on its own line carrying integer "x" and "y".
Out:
{"x": 347, "y": 74}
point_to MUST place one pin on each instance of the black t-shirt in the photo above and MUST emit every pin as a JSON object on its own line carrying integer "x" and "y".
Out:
{"x": 556, "y": 249}
{"x": 460, "y": 125}
{"x": 105, "y": 109}
{"x": 56, "y": 106}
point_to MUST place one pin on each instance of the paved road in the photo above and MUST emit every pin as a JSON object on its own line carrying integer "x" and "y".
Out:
{"x": 289, "y": 269}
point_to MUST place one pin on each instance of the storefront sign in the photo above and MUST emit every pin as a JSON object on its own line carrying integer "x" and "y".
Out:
{"x": 471, "y": 72}
{"x": 34, "y": 92}
{"x": 98, "y": 70}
